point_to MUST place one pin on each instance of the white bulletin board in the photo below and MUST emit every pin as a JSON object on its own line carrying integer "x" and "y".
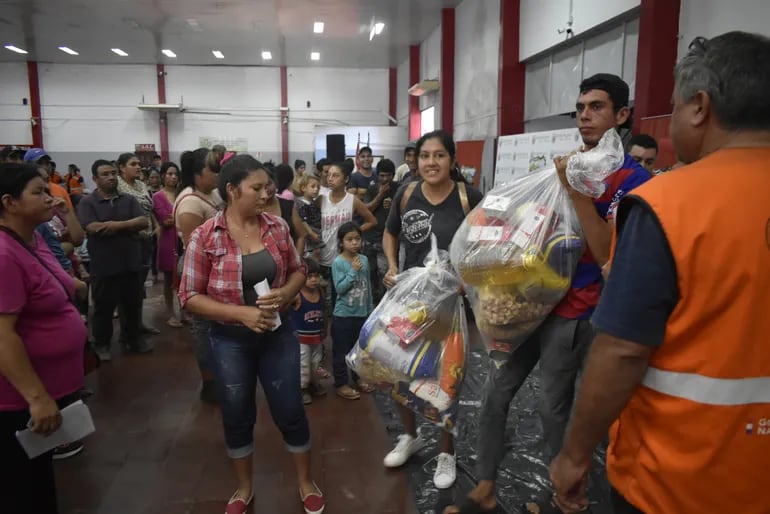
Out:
{"x": 522, "y": 154}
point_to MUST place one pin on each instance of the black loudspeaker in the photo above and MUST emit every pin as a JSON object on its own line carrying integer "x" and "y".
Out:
{"x": 335, "y": 147}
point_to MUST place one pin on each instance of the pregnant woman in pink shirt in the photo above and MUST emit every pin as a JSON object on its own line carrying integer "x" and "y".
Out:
{"x": 41, "y": 339}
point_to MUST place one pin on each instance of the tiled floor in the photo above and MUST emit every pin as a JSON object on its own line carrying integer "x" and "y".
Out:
{"x": 158, "y": 449}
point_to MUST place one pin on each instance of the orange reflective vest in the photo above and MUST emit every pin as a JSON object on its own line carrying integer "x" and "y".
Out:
{"x": 75, "y": 184}
{"x": 695, "y": 436}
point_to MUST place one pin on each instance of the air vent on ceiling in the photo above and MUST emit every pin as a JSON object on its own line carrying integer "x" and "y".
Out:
{"x": 424, "y": 87}
{"x": 161, "y": 107}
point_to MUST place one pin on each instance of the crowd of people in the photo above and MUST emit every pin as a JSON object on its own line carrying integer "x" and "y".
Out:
{"x": 265, "y": 262}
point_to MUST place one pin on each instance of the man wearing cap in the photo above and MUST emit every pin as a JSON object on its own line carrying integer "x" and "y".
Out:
{"x": 562, "y": 340}
{"x": 43, "y": 160}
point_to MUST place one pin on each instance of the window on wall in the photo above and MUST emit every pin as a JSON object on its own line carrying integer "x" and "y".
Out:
{"x": 552, "y": 80}
{"x": 428, "y": 120}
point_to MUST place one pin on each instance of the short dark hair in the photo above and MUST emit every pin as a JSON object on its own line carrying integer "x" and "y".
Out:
{"x": 299, "y": 163}
{"x": 219, "y": 149}
{"x": 97, "y": 164}
{"x": 14, "y": 177}
{"x": 613, "y": 85}
{"x": 643, "y": 140}
{"x": 732, "y": 69}
{"x": 346, "y": 228}
{"x": 312, "y": 266}
{"x": 166, "y": 165}
{"x": 386, "y": 166}
{"x": 364, "y": 149}
{"x": 322, "y": 162}
{"x": 409, "y": 149}
{"x": 284, "y": 175}
{"x": 235, "y": 170}
{"x": 156, "y": 156}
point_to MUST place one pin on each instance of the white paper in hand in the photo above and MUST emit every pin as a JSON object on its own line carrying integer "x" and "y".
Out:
{"x": 76, "y": 424}
{"x": 262, "y": 288}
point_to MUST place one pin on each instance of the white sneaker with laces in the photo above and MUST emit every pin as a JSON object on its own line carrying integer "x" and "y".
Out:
{"x": 446, "y": 471}
{"x": 406, "y": 446}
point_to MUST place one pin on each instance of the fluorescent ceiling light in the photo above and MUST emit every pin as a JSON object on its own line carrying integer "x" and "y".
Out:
{"x": 119, "y": 52}
{"x": 168, "y": 53}
{"x": 378, "y": 28}
{"x": 267, "y": 55}
{"x": 15, "y": 49}
{"x": 68, "y": 50}
{"x": 315, "y": 56}
{"x": 218, "y": 54}
{"x": 318, "y": 27}
{"x": 371, "y": 33}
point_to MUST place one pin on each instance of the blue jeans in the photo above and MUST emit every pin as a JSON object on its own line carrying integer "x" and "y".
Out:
{"x": 238, "y": 358}
{"x": 345, "y": 332}
{"x": 199, "y": 327}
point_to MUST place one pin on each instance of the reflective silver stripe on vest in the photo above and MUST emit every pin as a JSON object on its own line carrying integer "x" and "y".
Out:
{"x": 707, "y": 390}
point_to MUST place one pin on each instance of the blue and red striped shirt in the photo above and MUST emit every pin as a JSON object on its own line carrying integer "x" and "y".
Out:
{"x": 583, "y": 295}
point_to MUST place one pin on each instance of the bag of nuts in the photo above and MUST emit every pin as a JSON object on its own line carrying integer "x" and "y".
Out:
{"x": 517, "y": 251}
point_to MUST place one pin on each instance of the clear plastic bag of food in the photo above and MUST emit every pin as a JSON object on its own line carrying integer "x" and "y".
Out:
{"x": 517, "y": 250}
{"x": 415, "y": 341}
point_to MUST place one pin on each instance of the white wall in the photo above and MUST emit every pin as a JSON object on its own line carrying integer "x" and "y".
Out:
{"x": 477, "y": 64}
{"x": 15, "y": 126}
{"x": 338, "y": 97}
{"x": 90, "y": 111}
{"x": 225, "y": 102}
{"x": 541, "y": 19}
{"x": 430, "y": 69}
{"x": 402, "y": 94}
{"x": 709, "y": 18}
{"x": 388, "y": 142}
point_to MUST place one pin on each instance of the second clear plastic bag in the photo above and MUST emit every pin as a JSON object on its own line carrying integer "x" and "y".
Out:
{"x": 415, "y": 341}
{"x": 517, "y": 250}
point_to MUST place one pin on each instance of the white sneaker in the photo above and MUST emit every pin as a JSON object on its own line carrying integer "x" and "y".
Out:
{"x": 446, "y": 471}
{"x": 406, "y": 446}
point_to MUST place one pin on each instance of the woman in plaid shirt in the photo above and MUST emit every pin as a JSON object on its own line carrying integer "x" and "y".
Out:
{"x": 225, "y": 258}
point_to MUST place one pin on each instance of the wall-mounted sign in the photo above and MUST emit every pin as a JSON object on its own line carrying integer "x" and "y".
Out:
{"x": 522, "y": 154}
{"x": 233, "y": 144}
{"x": 146, "y": 147}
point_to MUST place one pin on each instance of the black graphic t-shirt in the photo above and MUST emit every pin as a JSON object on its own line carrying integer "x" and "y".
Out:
{"x": 420, "y": 218}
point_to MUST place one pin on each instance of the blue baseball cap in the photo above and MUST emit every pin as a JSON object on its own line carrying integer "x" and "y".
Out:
{"x": 35, "y": 154}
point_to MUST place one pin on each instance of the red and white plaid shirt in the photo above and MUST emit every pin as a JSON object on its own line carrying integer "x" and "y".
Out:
{"x": 212, "y": 262}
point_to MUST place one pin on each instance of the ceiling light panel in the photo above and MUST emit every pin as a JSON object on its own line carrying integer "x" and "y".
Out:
{"x": 315, "y": 56}
{"x": 15, "y": 49}
{"x": 119, "y": 52}
{"x": 267, "y": 55}
{"x": 379, "y": 27}
{"x": 218, "y": 54}
{"x": 68, "y": 50}
{"x": 168, "y": 53}
{"x": 318, "y": 27}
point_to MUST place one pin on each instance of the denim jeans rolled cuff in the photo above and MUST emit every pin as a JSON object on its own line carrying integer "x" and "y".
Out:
{"x": 240, "y": 358}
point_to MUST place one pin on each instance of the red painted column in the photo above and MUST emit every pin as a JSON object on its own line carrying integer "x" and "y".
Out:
{"x": 656, "y": 57}
{"x": 392, "y": 94}
{"x": 284, "y": 115}
{"x": 414, "y": 102}
{"x": 162, "y": 115}
{"x": 513, "y": 72}
{"x": 34, "y": 104}
{"x": 448, "y": 70}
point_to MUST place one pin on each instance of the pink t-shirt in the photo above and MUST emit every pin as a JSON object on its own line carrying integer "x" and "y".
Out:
{"x": 49, "y": 325}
